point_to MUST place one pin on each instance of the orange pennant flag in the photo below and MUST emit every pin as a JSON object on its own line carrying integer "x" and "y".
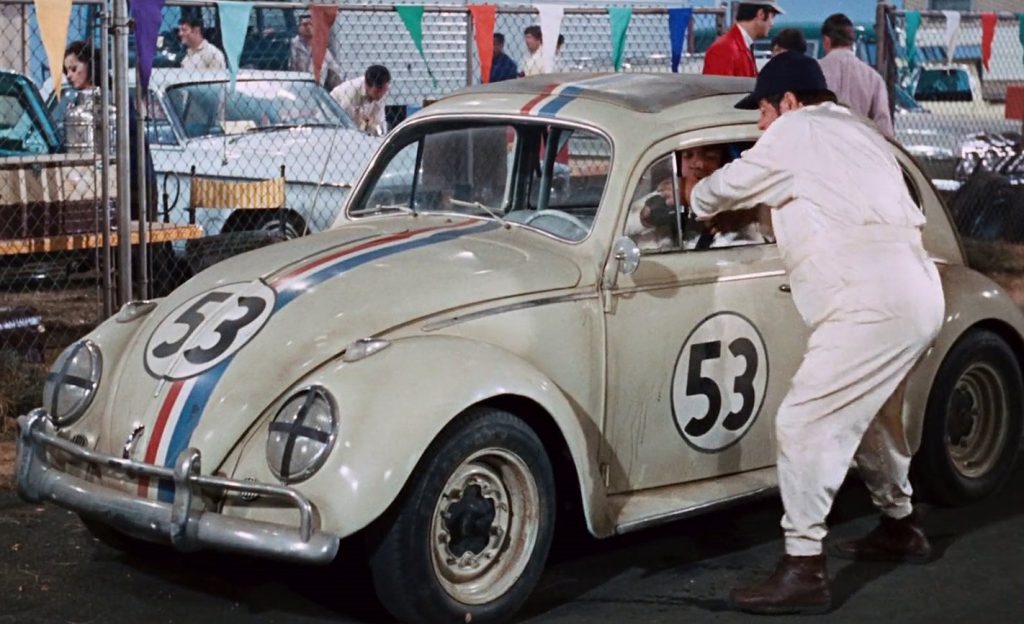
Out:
{"x": 322, "y": 16}
{"x": 53, "y": 17}
{"x": 483, "y": 29}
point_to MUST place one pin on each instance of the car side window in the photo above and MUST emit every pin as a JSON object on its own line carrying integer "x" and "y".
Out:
{"x": 657, "y": 224}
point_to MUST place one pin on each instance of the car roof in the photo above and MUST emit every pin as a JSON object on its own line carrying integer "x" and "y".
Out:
{"x": 635, "y": 92}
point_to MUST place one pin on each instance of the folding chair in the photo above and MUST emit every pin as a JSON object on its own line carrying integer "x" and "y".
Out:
{"x": 214, "y": 193}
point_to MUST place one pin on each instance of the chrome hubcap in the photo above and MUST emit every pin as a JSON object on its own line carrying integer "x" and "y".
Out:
{"x": 485, "y": 526}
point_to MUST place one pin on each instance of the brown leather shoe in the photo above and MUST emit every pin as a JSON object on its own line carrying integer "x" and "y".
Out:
{"x": 894, "y": 540}
{"x": 799, "y": 585}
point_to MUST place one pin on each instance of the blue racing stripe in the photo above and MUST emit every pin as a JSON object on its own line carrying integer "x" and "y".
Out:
{"x": 567, "y": 95}
{"x": 287, "y": 294}
{"x": 190, "y": 415}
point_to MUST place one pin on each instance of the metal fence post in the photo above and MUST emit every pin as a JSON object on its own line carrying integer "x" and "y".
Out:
{"x": 469, "y": 50}
{"x": 124, "y": 218}
{"x": 105, "y": 253}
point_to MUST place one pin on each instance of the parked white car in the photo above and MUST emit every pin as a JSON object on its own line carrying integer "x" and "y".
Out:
{"x": 458, "y": 358}
{"x": 270, "y": 120}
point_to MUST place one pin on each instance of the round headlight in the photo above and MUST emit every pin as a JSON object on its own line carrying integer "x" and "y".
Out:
{"x": 72, "y": 382}
{"x": 301, "y": 435}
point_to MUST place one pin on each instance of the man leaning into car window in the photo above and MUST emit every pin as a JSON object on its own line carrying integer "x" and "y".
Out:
{"x": 865, "y": 286}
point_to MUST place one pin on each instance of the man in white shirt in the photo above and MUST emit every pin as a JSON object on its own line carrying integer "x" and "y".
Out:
{"x": 200, "y": 54}
{"x": 534, "y": 63}
{"x": 850, "y": 237}
{"x": 854, "y": 82}
{"x": 301, "y": 56}
{"x": 363, "y": 99}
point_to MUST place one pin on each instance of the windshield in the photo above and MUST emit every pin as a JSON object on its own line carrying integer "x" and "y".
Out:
{"x": 209, "y": 108}
{"x": 943, "y": 85}
{"x": 546, "y": 177}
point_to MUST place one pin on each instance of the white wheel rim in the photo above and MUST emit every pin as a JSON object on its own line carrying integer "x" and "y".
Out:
{"x": 977, "y": 420}
{"x": 484, "y": 527}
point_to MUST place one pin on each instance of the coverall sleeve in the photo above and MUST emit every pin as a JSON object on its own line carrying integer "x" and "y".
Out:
{"x": 758, "y": 177}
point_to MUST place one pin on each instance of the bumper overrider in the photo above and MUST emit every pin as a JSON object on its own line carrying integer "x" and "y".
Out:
{"x": 185, "y": 523}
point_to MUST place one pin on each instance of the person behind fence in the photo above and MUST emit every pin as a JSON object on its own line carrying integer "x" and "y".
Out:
{"x": 301, "y": 56}
{"x": 200, "y": 54}
{"x": 789, "y": 40}
{"x": 731, "y": 54}
{"x": 533, "y": 64}
{"x": 854, "y": 82}
{"x": 850, "y": 237}
{"x": 502, "y": 65}
{"x": 82, "y": 64}
{"x": 363, "y": 99}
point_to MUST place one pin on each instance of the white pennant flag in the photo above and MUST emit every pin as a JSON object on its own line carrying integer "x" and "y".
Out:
{"x": 952, "y": 31}
{"x": 550, "y": 27}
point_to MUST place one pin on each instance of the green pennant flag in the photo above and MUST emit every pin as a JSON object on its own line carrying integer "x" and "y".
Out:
{"x": 412, "y": 17}
{"x": 620, "y": 17}
{"x": 913, "y": 23}
{"x": 1020, "y": 20}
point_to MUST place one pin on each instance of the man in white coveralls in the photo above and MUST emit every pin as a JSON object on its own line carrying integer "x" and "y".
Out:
{"x": 850, "y": 236}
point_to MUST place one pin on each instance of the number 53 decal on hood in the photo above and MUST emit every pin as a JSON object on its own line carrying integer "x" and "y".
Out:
{"x": 207, "y": 329}
{"x": 719, "y": 382}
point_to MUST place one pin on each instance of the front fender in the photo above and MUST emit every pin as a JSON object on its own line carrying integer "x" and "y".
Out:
{"x": 971, "y": 299}
{"x": 393, "y": 404}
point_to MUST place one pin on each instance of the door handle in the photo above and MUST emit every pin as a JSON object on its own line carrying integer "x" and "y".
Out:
{"x": 785, "y": 288}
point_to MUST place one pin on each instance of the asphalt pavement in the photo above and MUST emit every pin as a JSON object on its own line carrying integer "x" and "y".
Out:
{"x": 52, "y": 570}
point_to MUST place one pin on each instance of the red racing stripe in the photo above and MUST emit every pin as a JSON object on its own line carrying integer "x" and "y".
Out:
{"x": 545, "y": 92}
{"x": 278, "y": 281}
{"x": 158, "y": 431}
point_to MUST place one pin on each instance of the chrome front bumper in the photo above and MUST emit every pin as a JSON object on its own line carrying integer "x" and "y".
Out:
{"x": 184, "y": 523}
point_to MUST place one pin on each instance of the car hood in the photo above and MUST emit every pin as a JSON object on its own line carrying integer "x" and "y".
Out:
{"x": 337, "y": 155}
{"x": 316, "y": 295}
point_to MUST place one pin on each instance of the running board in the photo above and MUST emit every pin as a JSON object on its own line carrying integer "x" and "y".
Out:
{"x": 645, "y": 508}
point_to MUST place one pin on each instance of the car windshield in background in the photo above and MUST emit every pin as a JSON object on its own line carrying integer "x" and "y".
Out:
{"x": 211, "y": 108}
{"x": 545, "y": 177}
{"x": 943, "y": 85}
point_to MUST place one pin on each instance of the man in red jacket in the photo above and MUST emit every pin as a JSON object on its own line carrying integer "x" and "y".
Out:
{"x": 730, "y": 54}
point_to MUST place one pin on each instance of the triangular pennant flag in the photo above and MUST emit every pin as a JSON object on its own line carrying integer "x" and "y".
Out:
{"x": 952, "y": 31}
{"x": 550, "y": 28}
{"x": 988, "y": 33}
{"x": 53, "y": 17}
{"x": 234, "y": 22}
{"x": 678, "y": 25}
{"x": 913, "y": 23}
{"x": 412, "y": 17}
{"x": 483, "y": 31}
{"x": 146, "y": 14}
{"x": 322, "y": 17}
{"x": 1020, "y": 34}
{"x": 619, "y": 17}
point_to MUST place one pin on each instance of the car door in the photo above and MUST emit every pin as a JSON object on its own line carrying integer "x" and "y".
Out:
{"x": 701, "y": 347}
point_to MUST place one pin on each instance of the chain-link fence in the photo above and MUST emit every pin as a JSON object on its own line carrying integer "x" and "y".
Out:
{"x": 225, "y": 169}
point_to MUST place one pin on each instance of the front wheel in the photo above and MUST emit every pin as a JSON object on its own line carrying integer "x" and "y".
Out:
{"x": 973, "y": 422}
{"x": 469, "y": 538}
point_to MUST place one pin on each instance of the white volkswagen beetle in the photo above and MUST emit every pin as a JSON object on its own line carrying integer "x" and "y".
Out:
{"x": 469, "y": 351}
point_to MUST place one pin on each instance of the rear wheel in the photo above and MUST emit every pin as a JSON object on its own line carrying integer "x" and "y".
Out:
{"x": 469, "y": 538}
{"x": 973, "y": 422}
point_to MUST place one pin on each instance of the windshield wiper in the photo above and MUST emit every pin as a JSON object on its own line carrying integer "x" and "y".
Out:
{"x": 478, "y": 206}
{"x": 385, "y": 207}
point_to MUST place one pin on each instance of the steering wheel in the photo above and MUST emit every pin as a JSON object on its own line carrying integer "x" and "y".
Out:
{"x": 561, "y": 216}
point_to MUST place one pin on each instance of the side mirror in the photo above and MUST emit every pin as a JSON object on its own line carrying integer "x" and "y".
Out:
{"x": 627, "y": 253}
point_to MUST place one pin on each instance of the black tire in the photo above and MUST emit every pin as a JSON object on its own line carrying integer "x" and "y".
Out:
{"x": 279, "y": 222}
{"x": 410, "y": 577}
{"x": 973, "y": 422}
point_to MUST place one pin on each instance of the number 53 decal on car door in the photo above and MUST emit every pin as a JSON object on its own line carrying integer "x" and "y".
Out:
{"x": 207, "y": 329}
{"x": 719, "y": 382}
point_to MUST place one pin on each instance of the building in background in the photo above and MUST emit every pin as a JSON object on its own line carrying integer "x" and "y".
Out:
{"x": 963, "y": 5}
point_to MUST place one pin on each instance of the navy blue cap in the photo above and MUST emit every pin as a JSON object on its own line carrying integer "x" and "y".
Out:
{"x": 789, "y": 71}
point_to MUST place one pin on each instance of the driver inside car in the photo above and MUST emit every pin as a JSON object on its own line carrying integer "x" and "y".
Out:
{"x": 652, "y": 220}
